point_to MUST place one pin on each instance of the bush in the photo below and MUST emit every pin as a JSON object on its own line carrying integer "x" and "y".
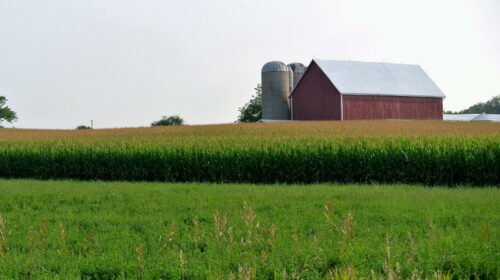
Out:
{"x": 5, "y": 112}
{"x": 252, "y": 111}
{"x": 83, "y": 127}
{"x": 169, "y": 121}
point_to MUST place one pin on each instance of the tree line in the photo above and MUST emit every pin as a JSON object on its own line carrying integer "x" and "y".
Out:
{"x": 491, "y": 106}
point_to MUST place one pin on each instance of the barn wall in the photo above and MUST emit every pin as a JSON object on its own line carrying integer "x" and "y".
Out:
{"x": 315, "y": 98}
{"x": 357, "y": 107}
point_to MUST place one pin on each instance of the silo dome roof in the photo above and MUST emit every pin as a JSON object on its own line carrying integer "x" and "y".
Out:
{"x": 297, "y": 67}
{"x": 275, "y": 66}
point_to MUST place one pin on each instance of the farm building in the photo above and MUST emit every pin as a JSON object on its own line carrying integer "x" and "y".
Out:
{"x": 472, "y": 117}
{"x": 350, "y": 90}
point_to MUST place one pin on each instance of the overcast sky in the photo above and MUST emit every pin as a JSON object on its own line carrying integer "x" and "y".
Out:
{"x": 128, "y": 62}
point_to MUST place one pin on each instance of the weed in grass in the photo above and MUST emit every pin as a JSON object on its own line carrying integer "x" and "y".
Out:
{"x": 30, "y": 242}
{"x": 438, "y": 275}
{"x": 346, "y": 241}
{"x": 342, "y": 273}
{"x": 329, "y": 214}
{"x": 244, "y": 272}
{"x": 4, "y": 248}
{"x": 274, "y": 236}
{"x": 43, "y": 232}
{"x": 140, "y": 257}
{"x": 220, "y": 225}
{"x": 432, "y": 235}
{"x": 63, "y": 237}
{"x": 296, "y": 239}
{"x": 230, "y": 240}
{"x": 485, "y": 234}
{"x": 389, "y": 272}
{"x": 196, "y": 237}
{"x": 248, "y": 218}
{"x": 413, "y": 251}
{"x": 168, "y": 236}
{"x": 181, "y": 262}
{"x": 319, "y": 254}
{"x": 416, "y": 274}
{"x": 87, "y": 241}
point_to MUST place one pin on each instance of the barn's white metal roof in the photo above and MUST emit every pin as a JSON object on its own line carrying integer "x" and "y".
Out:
{"x": 379, "y": 78}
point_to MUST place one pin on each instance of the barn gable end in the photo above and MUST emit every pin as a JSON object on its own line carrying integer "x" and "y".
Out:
{"x": 315, "y": 97}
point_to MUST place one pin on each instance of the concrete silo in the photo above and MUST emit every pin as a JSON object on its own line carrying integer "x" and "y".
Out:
{"x": 298, "y": 70}
{"x": 275, "y": 91}
{"x": 290, "y": 79}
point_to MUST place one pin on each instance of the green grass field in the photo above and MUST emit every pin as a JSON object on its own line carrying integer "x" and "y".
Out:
{"x": 105, "y": 230}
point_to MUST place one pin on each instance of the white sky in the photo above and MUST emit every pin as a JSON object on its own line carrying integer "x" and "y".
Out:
{"x": 128, "y": 62}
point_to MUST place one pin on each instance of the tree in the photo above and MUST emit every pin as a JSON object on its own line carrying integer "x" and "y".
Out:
{"x": 5, "y": 112}
{"x": 168, "y": 121}
{"x": 491, "y": 106}
{"x": 252, "y": 111}
{"x": 80, "y": 127}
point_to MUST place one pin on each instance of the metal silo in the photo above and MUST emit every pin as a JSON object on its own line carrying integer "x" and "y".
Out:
{"x": 290, "y": 79}
{"x": 275, "y": 91}
{"x": 298, "y": 70}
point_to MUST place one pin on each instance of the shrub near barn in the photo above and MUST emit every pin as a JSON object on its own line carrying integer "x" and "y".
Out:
{"x": 169, "y": 121}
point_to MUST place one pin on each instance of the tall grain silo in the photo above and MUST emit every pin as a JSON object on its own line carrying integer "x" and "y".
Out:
{"x": 298, "y": 70}
{"x": 290, "y": 79}
{"x": 275, "y": 91}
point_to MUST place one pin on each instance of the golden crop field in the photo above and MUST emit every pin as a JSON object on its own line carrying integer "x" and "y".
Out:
{"x": 425, "y": 152}
{"x": 320, "y": 129}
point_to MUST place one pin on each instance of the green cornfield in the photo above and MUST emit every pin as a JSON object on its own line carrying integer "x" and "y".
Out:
{"x": 430, "y": 153}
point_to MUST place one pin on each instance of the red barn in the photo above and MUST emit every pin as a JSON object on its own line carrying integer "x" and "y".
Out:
{"x": 354, "y": 90}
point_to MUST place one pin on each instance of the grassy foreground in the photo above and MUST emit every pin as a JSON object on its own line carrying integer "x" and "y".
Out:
{"x": 104, "y": 230}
